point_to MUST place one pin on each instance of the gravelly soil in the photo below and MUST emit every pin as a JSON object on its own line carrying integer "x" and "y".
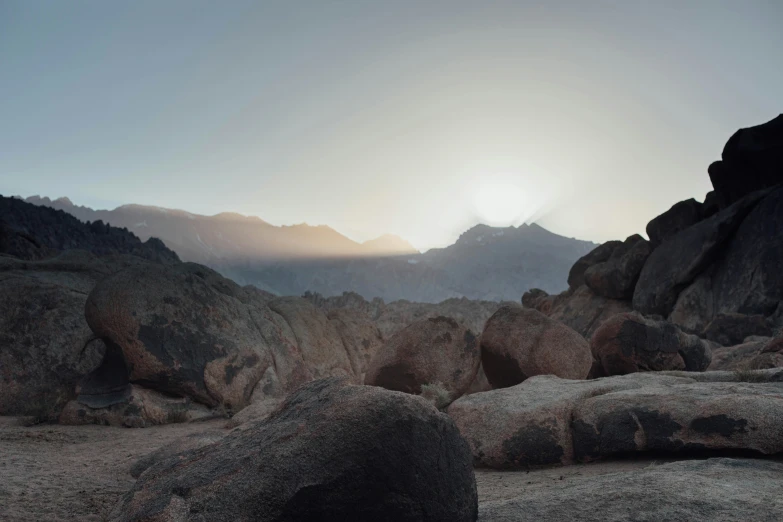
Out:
{"x": 58, "y": 473}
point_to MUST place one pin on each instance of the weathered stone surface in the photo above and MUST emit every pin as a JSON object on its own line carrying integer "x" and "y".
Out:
{"x": 480, "y": 382}
{"x": 317, "y": 339}
{"x": 732, "y": 329}
{"x": 141, "y": 408}
{"x": 183, "y": 330}
{"x": 519, "y": 342}
{"x": 581, "y": 309}
{"x": 616, "y": 277}
{"x": 44, "y": 348}
{"x": 770, "y": 356}
{"x": 681, "y": 216}
{"x": 681, "y": 419}
{"x": 530, "y": 424}
{"x": 749, "y": 277}
{"x": 359, "y": 335}
{"x": 739, "y": 357}
{"x": 712, "y": 490}
{"x": 630, "y": 342}
{"x": 333, "y": 452}
{"x": 546, "y": 420}
{"x": 752, "y": 160}
{"x": 437, "y": 352}
{"x": 598, "y": 255}
{"x": 678, "y": 261}
{"x": 695, "y": 306}
{"x": 187, "y": 331}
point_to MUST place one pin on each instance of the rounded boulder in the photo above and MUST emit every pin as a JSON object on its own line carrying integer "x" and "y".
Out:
{"x": 519, "y": 342}
{"x": 436, "y": 356}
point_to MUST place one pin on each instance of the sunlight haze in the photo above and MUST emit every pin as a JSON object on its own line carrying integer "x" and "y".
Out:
{"x": 589, "y": 118}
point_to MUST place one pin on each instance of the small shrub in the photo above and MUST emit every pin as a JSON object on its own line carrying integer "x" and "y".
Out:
{"x": 436, "y": 394}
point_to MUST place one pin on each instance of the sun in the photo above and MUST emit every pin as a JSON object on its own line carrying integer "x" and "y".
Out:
{"x": 499, "y": 203}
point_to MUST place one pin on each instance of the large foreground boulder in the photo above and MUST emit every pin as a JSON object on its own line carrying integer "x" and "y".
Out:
{"x": 712, "y": 490}
{"x": 518, "y": 343}
{"x": 333, "y": 452}
{"x": 547, "y": 420}
{"x": 436, "y": 353}
{"x": 630, "y": 342}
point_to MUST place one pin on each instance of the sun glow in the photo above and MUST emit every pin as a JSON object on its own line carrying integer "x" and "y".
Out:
{"x": 499, "y": 203}
{"x": 511, "y": 199}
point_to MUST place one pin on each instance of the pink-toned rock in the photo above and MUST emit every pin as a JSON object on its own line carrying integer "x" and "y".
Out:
{"x": 359, "y": 335}
{"x": 519, "y": 342}
{"x": 630, "y": 342}
{"x": 437, "y": 352}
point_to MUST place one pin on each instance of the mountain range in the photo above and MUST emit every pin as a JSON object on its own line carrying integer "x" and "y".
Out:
{"x": 489, "y": 263}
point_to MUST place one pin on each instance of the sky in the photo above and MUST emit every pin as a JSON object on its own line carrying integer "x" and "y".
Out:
{"x": 413, "y": 117}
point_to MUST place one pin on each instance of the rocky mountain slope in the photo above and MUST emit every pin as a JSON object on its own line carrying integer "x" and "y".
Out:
{"x": 484, "y": 263}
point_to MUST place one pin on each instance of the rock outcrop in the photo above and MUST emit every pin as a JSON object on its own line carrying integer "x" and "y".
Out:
{"x": 616, "y": 277}
{"x": 682, "y": 215}
{"x": 752, "y": 160}
{"x": 678, "y": 261}
{"x": 630, "y": 342}
{"x": 518, "y": 343}
{"x": 45, "y": 343}
{"x": 722, "y": 256}
{"x": 732, "y": 329}
{"x": 599, "y": 254}
{"x": 581, "y": 309}
{"x": 333, "y": 452}
{"x": 186, "y": 331}
{"x": 546, "y": 420}
{"x": 437, "y": 353}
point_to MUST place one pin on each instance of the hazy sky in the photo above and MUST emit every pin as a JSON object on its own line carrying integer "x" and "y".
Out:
{"x": 412, "y": 117}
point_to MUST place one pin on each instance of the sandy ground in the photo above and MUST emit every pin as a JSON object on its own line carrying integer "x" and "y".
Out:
{"x": 56, "y": 473}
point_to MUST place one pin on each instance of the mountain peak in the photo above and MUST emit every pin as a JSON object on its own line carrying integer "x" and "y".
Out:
{"x": 389, "y": 245}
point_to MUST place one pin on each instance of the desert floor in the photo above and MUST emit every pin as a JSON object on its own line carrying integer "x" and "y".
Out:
{"x": 57, "y": 473}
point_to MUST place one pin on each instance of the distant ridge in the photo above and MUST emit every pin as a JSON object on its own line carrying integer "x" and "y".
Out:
{"x": 489, "y": 263}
